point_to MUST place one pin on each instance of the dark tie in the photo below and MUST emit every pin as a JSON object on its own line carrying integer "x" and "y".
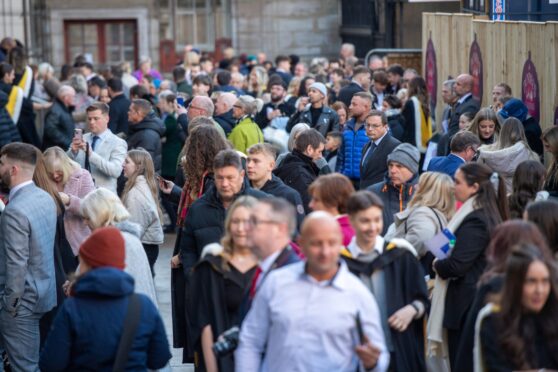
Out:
{"x": 370, "y": 150}
{"x": 94, "y": 142}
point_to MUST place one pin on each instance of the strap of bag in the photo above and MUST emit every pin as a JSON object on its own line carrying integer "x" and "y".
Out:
{"x": 86, "y": 164}
{"x": 131, "y": 322}
{"x": 435, "y": 214}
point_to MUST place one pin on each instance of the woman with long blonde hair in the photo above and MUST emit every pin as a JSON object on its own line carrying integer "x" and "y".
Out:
{"x": 140, "y": 197}
{"x": 219, "y": 282}
{"x": 426, "y": 215}
{"x": 486, "y": 125}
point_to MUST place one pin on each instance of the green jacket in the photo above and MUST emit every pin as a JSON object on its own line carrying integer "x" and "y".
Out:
{"x": 245, "y": 134}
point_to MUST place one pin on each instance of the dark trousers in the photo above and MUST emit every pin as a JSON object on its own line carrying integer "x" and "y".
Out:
{"x": 453, "y": 344}
{"x": 152, "y": 252}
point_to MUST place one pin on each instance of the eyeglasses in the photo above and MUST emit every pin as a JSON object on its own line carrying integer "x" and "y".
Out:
{"x": 191, "y": 107}
{"x": 254, "y": 221}
{"x": 373, "y": 126}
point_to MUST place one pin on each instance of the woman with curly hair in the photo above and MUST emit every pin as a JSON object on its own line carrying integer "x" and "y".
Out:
{"x": 203, "y": 143}
{"x": 416, "y": 112}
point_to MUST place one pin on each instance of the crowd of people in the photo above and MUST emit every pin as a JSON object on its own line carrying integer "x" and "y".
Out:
{"x": 325, "y": 219}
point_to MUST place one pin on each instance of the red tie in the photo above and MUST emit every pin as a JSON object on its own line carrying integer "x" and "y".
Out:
{"x": 252, "y": 292}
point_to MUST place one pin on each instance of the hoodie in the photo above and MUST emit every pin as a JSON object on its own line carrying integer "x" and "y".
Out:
{"x": 147, "y": 135}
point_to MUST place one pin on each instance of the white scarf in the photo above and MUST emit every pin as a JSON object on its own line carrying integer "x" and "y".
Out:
{"x": 436, "y": 338}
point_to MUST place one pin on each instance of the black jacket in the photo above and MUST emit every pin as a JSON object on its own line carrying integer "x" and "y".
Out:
{"x": 59, "y": 126}
{"x": 118, "y": 114}
{"x": 464, "y": 267}
{"x": 327, "y": 122}
{"x": 404, "y": 284}
{"x": 8, "y": 129}
{"x": 395, "y": 198}
{"x": 286, "y": 110}
{"x": 298, "y": 171}
{"x": 147, "y": 135}
{"x": 533, "y": 134}
{"x": 373, "y": 168}
{"x": 226, "y": 121}
{"x": 469, "y": 105}
{"x": 26, "y": 122}
{"x": 204, "y": 224}
{"x": 277, "y": 188}
{"x": 346, "y": 93}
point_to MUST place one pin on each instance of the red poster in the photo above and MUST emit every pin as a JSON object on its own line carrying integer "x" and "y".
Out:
{"x": 431, "y": 73}
{"x": 530, "y": 88}
{"x": 475, "y": 69}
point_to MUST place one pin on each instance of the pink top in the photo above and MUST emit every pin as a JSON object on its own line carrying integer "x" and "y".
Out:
{"x": 346, "y": 229}
{"x": 78, "y": 186}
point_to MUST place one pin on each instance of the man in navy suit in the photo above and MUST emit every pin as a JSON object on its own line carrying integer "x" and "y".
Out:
{"x": 463, "y": 148}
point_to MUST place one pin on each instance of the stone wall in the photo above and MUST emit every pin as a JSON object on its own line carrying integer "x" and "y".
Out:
{"x": 308, "y": 28}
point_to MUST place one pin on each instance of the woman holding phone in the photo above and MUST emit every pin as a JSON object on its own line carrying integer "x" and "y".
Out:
{"x": 141, "y": 198}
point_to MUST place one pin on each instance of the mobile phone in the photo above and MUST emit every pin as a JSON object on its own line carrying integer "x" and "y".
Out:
{"x": 78, "y": 133}
{"x": 180, "y": 101}
{"x": 162, "y": 180}
{"x": 360, "y": 331}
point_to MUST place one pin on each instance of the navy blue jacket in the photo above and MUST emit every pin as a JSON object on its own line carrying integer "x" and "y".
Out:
{"x": 87, "y": 329}
{"x": 445, "y": 164}
{"x": 226, "y": 121}
{"x": 350, "y": 153}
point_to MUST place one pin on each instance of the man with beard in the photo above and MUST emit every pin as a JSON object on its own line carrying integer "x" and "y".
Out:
{"x": 27, "y": 280}
{"x": 277, "y": 108}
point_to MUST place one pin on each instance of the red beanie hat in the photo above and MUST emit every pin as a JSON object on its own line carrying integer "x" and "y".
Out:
{"x": 105, "y": 247}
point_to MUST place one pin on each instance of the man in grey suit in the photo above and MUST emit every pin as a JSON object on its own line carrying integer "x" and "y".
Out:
{"x": 27, "y": 279}
{"x": 373, "y": 164}
{"x": 104, "y": 151}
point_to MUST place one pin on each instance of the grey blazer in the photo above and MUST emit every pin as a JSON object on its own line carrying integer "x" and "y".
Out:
{"x": 28, "y": 229}
{"x": 106, "y": 161}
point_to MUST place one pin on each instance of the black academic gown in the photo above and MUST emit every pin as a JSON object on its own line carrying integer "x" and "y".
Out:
{"x": 404, "y": 280}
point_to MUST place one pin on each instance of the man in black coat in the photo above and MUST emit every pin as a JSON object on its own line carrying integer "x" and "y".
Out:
{"x": 360, "y": 83}
{"x": 259, "y": 169}
{"x": 205, "y": 220}
{"x": 373, "y": 164}
{"x": 118, "y": 108}
{"x": 146, "y": 130}
{"x": 223, "y": 111}
{"x": 59, "y": 124}
{"x": 298, "y": 169}
{"x": 465, "y": 102}
{"x": 317, "y": 116}
{"x": 277, "y": 108}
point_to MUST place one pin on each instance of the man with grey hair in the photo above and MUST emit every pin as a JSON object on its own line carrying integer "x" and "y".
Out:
{"x": 223, "y": 111}
{"x": 59, "y": 124}
{"x": 347, "y": 51}
{"x": 199, "y": 106}
{"x": 408, "y": 75}
{"x": 464, "y": 146}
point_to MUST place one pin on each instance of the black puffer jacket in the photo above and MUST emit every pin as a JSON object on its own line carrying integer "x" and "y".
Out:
{"x": 277, "y": 188}
{"x": 327, "y": 122}
{"x": 59, "y": 126}
{"x": 147, "y": 135}
{"x": 298, "y": 171}
{"x": 204, "y": 224}
{"x": 8, "y": 129}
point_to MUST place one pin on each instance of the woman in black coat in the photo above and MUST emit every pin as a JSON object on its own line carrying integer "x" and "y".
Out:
{"x": 484, "y": 192}
{"x": 521, "y": 330}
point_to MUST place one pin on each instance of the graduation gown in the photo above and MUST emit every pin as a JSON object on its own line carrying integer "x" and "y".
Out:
{"x": 404, "y": 280}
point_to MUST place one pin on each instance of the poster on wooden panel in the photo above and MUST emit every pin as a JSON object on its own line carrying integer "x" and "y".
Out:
{"x": 476, "y": 69}
{"x": 431, "y": 73}
{"x": 530, "y": 88}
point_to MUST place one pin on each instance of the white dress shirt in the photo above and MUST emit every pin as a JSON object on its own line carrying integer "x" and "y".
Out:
{"x": 299, "y": 324}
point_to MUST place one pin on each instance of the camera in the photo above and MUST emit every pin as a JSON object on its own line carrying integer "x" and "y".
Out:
{"x": 227, "y": 342}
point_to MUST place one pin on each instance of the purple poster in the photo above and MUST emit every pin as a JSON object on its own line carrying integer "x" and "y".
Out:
{"x": 431, "y": 72}
{"x": 530, "y": 88}
{"x": 475, "y": 69}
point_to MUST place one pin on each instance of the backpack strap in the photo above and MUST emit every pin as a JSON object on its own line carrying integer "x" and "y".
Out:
{"x": 131, "y": 322}
{"x": 435, "y": 214}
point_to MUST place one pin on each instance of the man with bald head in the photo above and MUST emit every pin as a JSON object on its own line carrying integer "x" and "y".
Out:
{"x": 465, "y": 102}
{"x": 223, "y": 111}
{"x": 304, "y": 315}
{"x": 59, "y": 125}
